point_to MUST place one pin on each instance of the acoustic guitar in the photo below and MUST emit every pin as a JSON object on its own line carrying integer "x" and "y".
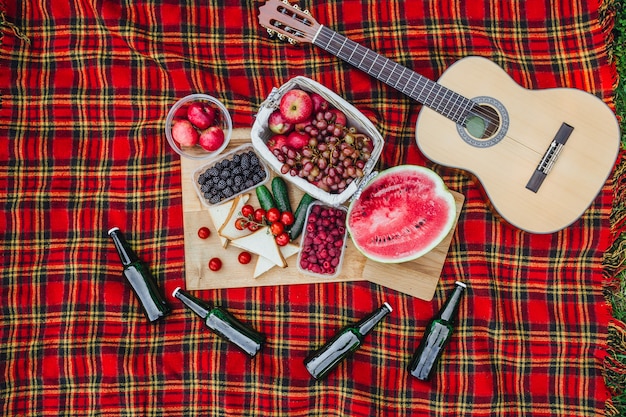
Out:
{"x": 542, "y": 156}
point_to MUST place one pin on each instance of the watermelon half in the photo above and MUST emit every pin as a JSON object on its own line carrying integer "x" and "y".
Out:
{"x": 402, "y": 214}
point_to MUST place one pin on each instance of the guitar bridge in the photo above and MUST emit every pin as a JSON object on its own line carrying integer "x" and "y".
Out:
{"x": 549, "y": 158}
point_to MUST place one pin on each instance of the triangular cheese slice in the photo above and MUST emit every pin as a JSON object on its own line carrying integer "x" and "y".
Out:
{"x": 262, "y": 243}
{"x": 263, "y": 264}
{"x": 220, "y": 212}
{"x": 228, "y": 229}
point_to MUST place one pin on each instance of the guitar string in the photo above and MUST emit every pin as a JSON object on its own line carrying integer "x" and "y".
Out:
{"x": 441, "y": 92}
{"x": 422, "y": 81}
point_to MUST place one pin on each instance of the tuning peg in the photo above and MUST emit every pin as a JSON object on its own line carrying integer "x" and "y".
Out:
{"x": 297, "y": 7}
{"x": 271, "y": 33}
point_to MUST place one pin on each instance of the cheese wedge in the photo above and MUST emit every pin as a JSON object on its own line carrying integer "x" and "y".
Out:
{"x": 262, "y": 243}
{"x": 220, "y": 212}
{"x": 228, "y": 229}
{"x": 263, "y": 264}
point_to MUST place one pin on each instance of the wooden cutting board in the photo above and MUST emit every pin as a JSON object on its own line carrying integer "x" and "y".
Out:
{"x": 417, "y": 278}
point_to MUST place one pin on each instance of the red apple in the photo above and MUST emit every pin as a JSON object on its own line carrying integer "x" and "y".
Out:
{"x": 319, "y": 102}
{"x": 184, "y": 133}
{"x": 278, "y": 124}
{"x": 299, "y": 127}
{"x": 297, "y": 140}
{"x": 340, "y": 117}
{"x": 296, "y": 106}
{"x": 212, "y": 138}
{"x": 201, "y": 115}
{"x": 276, "y": 142}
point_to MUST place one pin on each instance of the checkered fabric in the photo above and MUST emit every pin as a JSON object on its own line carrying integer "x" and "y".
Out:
{"x": 85, "y": 87}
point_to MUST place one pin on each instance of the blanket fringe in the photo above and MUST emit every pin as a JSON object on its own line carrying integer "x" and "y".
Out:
{"x": 614, "y": 268}
{"x": 16, "y": 31}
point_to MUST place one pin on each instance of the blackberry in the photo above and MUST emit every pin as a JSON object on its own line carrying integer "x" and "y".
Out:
{"x": 213, "y": 172}
{"x": 225, "y": 174}
{"x": 237, "y": 170}
{"x": 238, "y": 181}
{"x": 215, "y": 180}
{"x": 249, "y": 183}
{"x": 245, "y": 161}
{"x": 227, "y": 192}
{"x": 254, "y": 160}
{"x": 229, "y": 182}
{"x": 257, "y": 178}
{"x": 205, "y": 187}
{"x": 215, "y": 199}
{"x": 221, "y": 184}
{"x": 236, "y": 158}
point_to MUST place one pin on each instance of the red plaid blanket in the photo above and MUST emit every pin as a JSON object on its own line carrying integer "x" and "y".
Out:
{"x": 85, "y": 87}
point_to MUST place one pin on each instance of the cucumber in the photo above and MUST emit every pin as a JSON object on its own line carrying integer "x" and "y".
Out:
{"x": 281, "y": 195}
{"x": 300, "y": 216}
{"x": 265, "y": 197}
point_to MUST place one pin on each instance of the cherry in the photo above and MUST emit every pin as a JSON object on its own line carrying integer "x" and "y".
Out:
{"x": 215, "y": 264}
{"x": 244, "y": 258}
{"x": 204, "y": 232}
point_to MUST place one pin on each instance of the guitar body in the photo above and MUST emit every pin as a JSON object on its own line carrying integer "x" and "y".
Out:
{"x": 528, "y": 121}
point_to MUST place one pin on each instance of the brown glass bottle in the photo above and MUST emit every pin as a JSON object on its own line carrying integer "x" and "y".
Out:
{"x": 436, "y": 337}
{"x": 344, "y": 343}
{"x": 140, "y": 279}
{"x": 223, "y": 323}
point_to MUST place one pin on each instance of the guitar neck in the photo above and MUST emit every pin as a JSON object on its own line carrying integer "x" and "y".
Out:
{"x": 431, "y": 94}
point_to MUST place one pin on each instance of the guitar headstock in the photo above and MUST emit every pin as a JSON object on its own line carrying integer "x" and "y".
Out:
{"x": 288, "y": 21}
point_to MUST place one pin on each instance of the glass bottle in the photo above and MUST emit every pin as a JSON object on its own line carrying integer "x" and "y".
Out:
{"x": 436, "y": 336}
{"x": 223, "y": 323}
{"x": 140, "y": 279}
{"x": 326, "y": 358}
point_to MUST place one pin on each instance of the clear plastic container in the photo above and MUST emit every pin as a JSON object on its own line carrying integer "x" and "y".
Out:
{"x": 223, "y": 121}
{"x": 323, "y": 242}
{"x": 235, "y": 158}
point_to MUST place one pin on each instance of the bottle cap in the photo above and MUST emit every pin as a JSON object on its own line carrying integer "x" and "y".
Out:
{"x": 461, "y": 284}
{"x": 175, "y": 292}
{"x": 113, "y": 229}
{"x": 388, "y": 306}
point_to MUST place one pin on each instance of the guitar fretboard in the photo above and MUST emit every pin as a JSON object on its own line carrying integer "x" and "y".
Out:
{"x": 439, "y": 98}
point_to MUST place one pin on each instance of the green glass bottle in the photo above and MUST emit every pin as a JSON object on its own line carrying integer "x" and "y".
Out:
{"x": 436, "y": 337}
{"x": 140, "y": 279}
{"x": 223, "y": 323}
{"x": 344, "y": 343}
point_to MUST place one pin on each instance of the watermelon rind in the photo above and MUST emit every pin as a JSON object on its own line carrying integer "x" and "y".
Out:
{"x": 401, "y": 214}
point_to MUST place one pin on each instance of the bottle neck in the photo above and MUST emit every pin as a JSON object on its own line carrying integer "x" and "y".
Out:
{"x": 201, "y": 308}
{"x": 368, "y": 323}
{"x": 449, "y": 309}
{"x": 126, "y": 253}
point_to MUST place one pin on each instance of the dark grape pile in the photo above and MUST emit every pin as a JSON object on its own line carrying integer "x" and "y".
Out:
{"x": 335, "y": 155}
{"x": 231, "y": 176}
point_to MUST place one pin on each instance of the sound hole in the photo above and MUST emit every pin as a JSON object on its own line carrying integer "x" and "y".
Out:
{"x": 483, "y": 122}
{"x": 486, "y": 124}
